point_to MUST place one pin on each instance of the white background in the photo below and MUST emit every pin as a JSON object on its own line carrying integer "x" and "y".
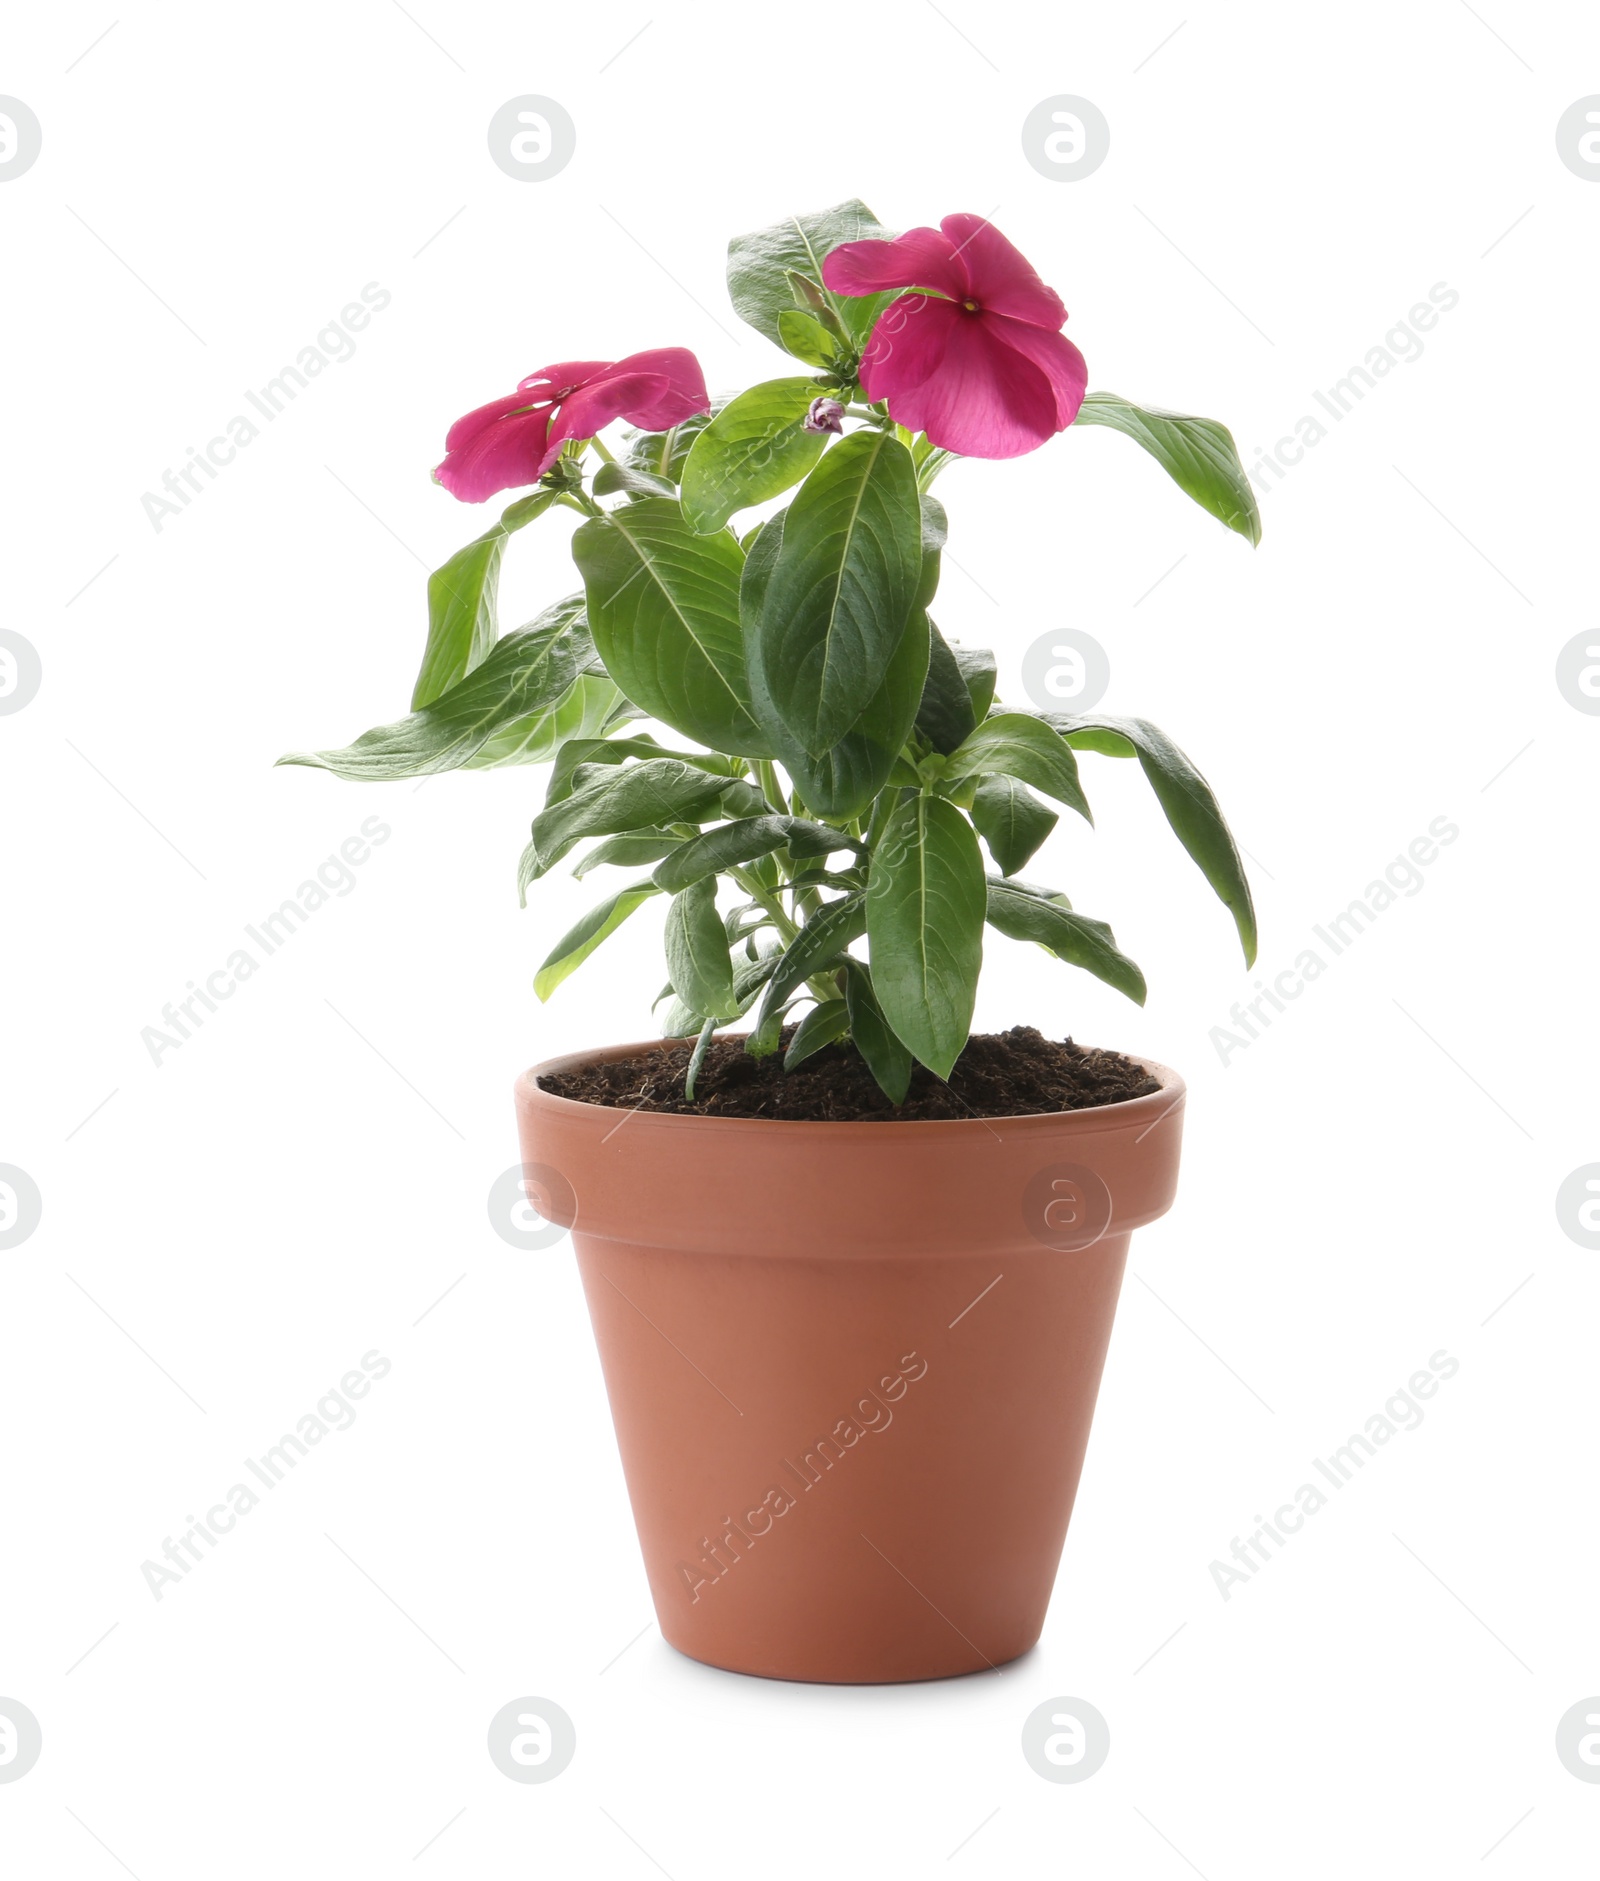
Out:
{"x": 1369, "y": 1182}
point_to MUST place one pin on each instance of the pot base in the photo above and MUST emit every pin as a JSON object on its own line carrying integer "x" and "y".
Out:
{"x": 851, "y": 1472}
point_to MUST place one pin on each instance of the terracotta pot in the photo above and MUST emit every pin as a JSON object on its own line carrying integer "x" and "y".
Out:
{"x": 852, "y": 1366}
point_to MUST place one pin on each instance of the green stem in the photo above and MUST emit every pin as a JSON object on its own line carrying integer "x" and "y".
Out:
{"x": 771, "y": 789}
{"x": 601, "y": 451}
{"x": 576, "y": 499}
{"x": 697, "y": 1057}
{"x": 765, "y": 898}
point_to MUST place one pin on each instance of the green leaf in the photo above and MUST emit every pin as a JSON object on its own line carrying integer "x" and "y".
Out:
{"x": 1035, "y": 914}
{"x": 639, "y": 796}
{"x": 526, "y": 673}
{"x": 678, "y": 1021}
{"x": 624, "y": 478}
{"x": 1197, "y": 453}
{"x": 722, "y": 848}
{"x": 755, "y": 448}
{"x": 697, "y": 952}
{"x": 808, "y": 840}
{"x": 750, "y": 975}
{"x": 925, "y": 913}
{"x": 1021, "y": 746}
{"x": 574, "y": 947}
{"x": 979, "y": 671}
{"x": 935, "y": 533}
{"x": 1011, "y": 820}
{"x": 585, "y": 711}
{"x": 821, "y": 1026}
{"x": 759, "y": 265}
{"x": 663, "y": 607}
{"x": 579, "y": 752}
{"x": 887, "y": 1058}
{"x": 1185, "y": 798}
{"x": 804, "y": 335}
{"x": 945, "y": 716}
{"x": 662, "y": 453}
{"x": 836, "y": 603}
{"x": 462, "y": 595}
{"x": 631, "y": 850}
{"x": 827, "y": 934}
{"x": 844, "y": 781}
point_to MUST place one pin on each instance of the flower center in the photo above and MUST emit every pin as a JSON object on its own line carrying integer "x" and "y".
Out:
{"x": 969, "y": 306}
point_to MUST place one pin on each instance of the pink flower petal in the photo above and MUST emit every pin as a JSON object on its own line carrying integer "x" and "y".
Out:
{"x": 503, "y": 453}
{"x": 549, "y": 382}
{"x": 476, "y": 421}
{"x": 983, "y": 400}
{"x": 907, "y": 344}
{"x": 1055, "y": 356}
{"x": 592, "y": 407}
{"x": 1002, "y": 279}
{"x": 919, "y": 258}
{"x": 685, "y": 384}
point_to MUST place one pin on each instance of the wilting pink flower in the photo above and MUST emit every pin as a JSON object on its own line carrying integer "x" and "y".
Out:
{"x": 824, "y": 414}
{"x": 977, "y": 358}
{"x": 516, "y": 439}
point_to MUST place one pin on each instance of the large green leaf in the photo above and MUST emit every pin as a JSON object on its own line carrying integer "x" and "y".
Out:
{"x": 945, "y": 715}
{"x": 759, "y": 265}
{"x": 887, "y": 1058}
{"x": 462, "y": 603}
{"x": 1021, "y": 746}
{"x": 925, "y": 914}
{"x": 843, "y": 781}
{"x": 1185, "y": 797}
{"x": 663, "y": 607}
{"x": 638, "y": 796}
{"x": 1011, "y": 820}
{"x": 1197, "y": 453}
{"x": 835, "y": 605}
{"x": 755, "y": 448}
{"x": 526, "y": 674}
{"x": 575, "y": 946}
{"x": 697, "y": 952}
{"x": 1026, "y": 913}
{"x": 585, "y": 711}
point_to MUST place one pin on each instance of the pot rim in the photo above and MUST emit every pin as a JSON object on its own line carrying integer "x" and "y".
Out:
{"x": 1154, "y": 1105}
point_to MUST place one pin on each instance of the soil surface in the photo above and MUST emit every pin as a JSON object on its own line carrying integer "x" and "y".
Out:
{"x": 1000, "y": 1074}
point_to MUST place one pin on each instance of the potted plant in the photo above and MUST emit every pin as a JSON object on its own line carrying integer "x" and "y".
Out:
{"x": 851, "y": 1273}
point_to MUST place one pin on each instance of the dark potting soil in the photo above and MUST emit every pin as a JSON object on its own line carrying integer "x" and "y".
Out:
{"x": 1000, "y": 1074}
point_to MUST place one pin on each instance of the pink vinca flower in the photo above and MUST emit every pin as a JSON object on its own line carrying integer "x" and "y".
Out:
{"x": 976, "y": 358}
{"x": 516, "y": 439}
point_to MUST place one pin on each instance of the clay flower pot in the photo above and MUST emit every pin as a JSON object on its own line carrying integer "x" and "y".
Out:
{"x": 852, "y": 1366}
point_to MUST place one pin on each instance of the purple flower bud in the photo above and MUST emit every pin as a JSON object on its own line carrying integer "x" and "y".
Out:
{"x": 826, "y": 414}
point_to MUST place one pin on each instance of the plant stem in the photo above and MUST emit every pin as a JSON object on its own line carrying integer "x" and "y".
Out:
{"x": 765, "y": 898}
{"x": 601, "y": 451}
{"x": 584, "y": 505}
{"x": 697, "y": 1057}
{"x": 771, "y": 789}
